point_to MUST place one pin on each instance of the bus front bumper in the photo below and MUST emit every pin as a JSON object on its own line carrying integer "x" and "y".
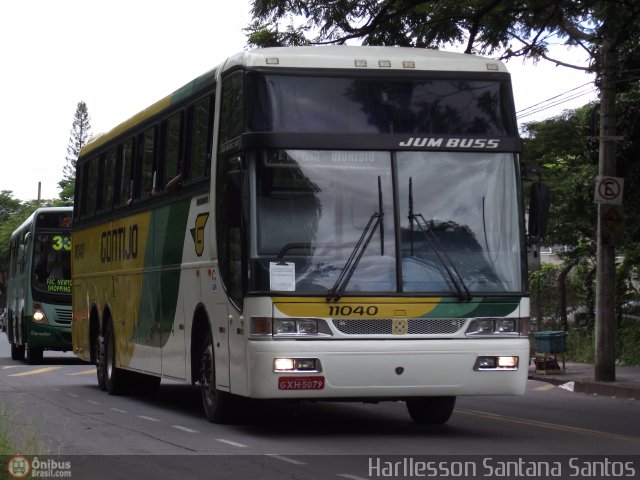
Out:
{"x": 386, "y": 369}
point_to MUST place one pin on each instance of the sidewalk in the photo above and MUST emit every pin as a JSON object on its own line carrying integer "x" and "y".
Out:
{"x": 579, "y": 377}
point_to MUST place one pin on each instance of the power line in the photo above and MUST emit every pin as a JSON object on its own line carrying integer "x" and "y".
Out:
{"x": 556, "y": 100}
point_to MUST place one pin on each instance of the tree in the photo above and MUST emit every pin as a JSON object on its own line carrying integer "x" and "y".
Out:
{"x": 608, "y": 31}
{"x": 80, "y": 133}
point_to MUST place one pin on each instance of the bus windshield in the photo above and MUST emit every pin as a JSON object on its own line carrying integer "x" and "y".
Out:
{"x": 448, "y": 222}
{"x": 52, "y": 263}
{"x": 407, "y": 105}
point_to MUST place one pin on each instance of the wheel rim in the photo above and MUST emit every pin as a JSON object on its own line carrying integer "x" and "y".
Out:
{"x": 109, "y": 355}
{"x": 207, "y": 376}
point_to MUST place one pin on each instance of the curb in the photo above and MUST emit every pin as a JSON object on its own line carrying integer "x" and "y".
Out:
{"x": 592, "y": 387}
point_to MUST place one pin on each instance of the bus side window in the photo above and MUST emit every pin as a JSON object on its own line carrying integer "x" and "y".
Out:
{"x": 171, "y": 149}
{"x": 89, "y": 192}
{"x": 123, "y": 193}
{"x": 147, "y": 174}
{"x": 231, "y": 114}
{"x": 78, "y": 197}
{"x": 107, "y": 178}
{"x": 200, "y": 121}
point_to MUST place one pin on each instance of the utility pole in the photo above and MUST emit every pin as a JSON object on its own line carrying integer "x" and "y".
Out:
{"x": 605, "y": 361}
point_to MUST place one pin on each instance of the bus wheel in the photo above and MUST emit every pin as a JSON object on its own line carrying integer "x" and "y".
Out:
{"x": 101, "y": 367}
{"x": 34, "y": 355}
{"x": 115, "y": 379}
{"x": 216, "y": 403}
{"x": 431, "y": 410}
{"x": 17, "y": 352}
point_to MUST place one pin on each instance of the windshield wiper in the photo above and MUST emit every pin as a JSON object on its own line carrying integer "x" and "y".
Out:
{"x": 436, "y": 246}
{"x": 358, "y": 250}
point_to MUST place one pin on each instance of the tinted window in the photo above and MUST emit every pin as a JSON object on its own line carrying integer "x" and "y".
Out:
{"x": 148, "y": 150}
{"x": 200, "y": 138}
{"x": 126, "y": 164}
{"x": 108, "y": 177}
{"x": 172, "y": 137}
{"x": 231, "y": 120}
{"x": 280, "y": 103}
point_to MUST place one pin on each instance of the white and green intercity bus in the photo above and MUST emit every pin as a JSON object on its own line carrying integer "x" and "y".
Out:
{"x": 39, "y": 285}
{"x": 310, "y": 223}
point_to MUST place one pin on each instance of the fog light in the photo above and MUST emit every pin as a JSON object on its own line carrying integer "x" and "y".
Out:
{"x": 306, "y": 364}
{"x": 486, "y": 362}
{"x": 496, "y": 363}
{"x": 283, "y": 364}
{"x": 508, "y": 362}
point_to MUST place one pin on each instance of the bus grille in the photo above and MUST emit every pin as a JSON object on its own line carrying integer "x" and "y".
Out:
{"x": 63, "y": 316}
{"x": 384, "y": 326}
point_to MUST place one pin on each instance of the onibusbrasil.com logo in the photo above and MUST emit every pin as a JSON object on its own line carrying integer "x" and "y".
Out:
{"x": 20, "y": 466}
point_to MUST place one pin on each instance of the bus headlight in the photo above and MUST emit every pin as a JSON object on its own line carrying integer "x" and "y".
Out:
{"x": 497, "y": 326}
{"x": 289, "y": 327}
{"x": 38, "y": 314}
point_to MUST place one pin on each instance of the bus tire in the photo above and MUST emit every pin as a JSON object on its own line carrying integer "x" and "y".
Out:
{"x": 34, "y": 355}
{"x": 430, "y": 410}
{"x": 17, "y": 352}
{"x": 115, "y": 379}
{"x": 101, "y": 367}
{"x": 217, "y": 404}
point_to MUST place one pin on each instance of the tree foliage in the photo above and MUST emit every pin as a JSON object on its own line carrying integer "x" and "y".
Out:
{"x": 80, "y": 133}
{"x": 509, "y": 27}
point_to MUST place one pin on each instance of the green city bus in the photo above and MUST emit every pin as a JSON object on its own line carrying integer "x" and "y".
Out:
{"x": 39, "y": 285}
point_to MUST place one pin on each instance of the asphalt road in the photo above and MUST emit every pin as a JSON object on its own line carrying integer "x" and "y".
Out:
{"x": 57, "y": 409}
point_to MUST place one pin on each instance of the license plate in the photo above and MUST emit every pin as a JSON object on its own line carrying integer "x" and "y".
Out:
{"x": 300, "y": 383}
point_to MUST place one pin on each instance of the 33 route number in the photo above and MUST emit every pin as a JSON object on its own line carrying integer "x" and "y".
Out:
{"x": 61, "y": 242}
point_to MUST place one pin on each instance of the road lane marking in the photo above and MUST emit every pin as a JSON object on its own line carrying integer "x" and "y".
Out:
{"x": 6, "y": 367}
{"x": 185, "y": 429}
{"x": 90, "y": 371}
{"x": 151, "y": 419}
{"x": 229, "y": 442}
{"x": 93, "y": 402}
{"x": 349, "y": 476}
{"x": 551, "y": 426}
{"x": 284, "y": 459}
{"x": 118, "y": 410}
{"x": 73, "y": 395}
{"x": 35, "y": 372}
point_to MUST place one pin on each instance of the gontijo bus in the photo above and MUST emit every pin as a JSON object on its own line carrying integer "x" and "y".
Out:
{"x": 39, "y": 284}
{"x": 310, "y": 223}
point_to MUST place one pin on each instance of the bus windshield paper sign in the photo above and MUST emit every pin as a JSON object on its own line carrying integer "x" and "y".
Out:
{"x": 282, "y": 276}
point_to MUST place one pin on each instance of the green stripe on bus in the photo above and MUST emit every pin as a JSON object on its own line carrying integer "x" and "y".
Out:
{"x": 161, "y": 280}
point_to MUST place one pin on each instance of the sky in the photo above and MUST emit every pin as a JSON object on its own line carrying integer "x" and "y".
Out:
{"x": 121, "y": 56}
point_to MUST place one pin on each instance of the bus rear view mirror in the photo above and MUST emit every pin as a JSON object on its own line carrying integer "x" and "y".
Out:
{"x": 539, "y": 201}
